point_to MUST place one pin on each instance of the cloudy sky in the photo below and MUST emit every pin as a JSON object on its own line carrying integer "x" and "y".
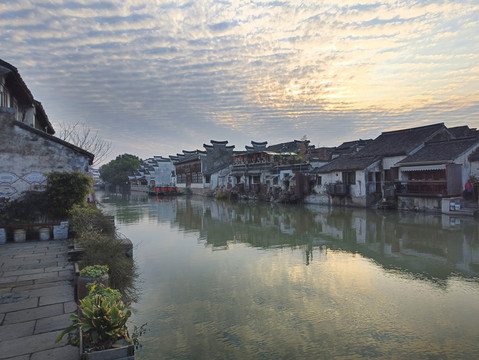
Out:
{"x": 157, "y": 77}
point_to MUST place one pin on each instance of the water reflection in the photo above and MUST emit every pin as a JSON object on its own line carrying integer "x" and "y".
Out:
{"x": 430, "y": 246}
{"x": 261, "y": 281}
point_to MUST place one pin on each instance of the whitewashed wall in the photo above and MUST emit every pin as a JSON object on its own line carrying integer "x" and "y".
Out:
{"x": 26, "y": 156}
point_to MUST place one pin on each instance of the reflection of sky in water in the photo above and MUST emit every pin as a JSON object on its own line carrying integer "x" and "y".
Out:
{"x": 224, "y": 281}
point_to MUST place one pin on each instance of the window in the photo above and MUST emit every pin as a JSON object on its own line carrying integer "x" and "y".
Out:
{"x": 196, "y": 178}
{"x": 319, "y": 180}
{"x": 181, "y": 178}
{"x": 349, "y": 177}
{"x": 4, "y": 96}
{"x": 207, "y": 179}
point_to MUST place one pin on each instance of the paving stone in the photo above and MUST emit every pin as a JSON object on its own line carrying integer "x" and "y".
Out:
{"x": 34, "y": 313}
{"x": 51, "y": 275}
{"x": 57, "y": 298}
{"x": 20, "y": 303}
{"x": 35, "y": 266}
{"x": 27, "y": 256}
{"x": 49, "y": 263}
{"x": 25, "y": 288}
{"x": 5, "y": 290}
{"x": 53, "y": 323}
{"x": 65, "y": 272}
{"x": 22, "y": 357}
{"x": 65, "y": 275}
{"x": 45, "y": 289}
{"x": 53, "y": 280}
{"x": 28, "y": 266}
{"x": 69, "y": 307}
{"x": 36, "y": 299}
{"x": 40, "y": 257}
{"x": 13, "y": 331}
{"x": 8, "y": 279}
{"x": 23, "y": 262}
{"x": 23, "y": 272}
{"x": 9, "y": 267}
{"x": 30, "y": 344}
{"x": 62, "y": 353}
{"x": 58, "y": 268}
{"x": 19, "y": 283}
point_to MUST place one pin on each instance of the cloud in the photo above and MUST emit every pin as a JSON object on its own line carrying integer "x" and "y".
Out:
{"x": 174, "y": 73}
{"x": 225, "y": 25}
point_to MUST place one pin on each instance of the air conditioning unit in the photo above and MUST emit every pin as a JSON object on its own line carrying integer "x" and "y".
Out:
{"x": 340, "y": 189}
{"x": 331, "y": 189}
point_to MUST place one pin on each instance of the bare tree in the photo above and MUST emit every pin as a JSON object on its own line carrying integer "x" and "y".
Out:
{"x": 84, "y": 137}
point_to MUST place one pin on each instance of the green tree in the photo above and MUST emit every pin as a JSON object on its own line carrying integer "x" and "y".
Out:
{"x": 116, "y": 171}
{"x": 66, "y": 189}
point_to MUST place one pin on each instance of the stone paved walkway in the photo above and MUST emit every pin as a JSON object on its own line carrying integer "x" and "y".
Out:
{"x": 36, "y": 299}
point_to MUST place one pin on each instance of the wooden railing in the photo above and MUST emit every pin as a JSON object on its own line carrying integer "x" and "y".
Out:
{"x": 420, "y": 187}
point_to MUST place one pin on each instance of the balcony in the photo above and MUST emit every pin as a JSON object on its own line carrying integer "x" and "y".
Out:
{"x": 429, "y": 188}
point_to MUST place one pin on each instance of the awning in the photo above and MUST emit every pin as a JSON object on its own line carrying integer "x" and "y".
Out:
{"x": 271, "y": 177}
{"x": 423, "y": 167}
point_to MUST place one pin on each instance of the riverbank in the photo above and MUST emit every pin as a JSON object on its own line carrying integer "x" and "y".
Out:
{"x": 36, "y": 299}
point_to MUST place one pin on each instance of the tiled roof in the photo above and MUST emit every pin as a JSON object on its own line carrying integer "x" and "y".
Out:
{"x": 347, "y": 163}
{"x": 462, "y": 131}
{"x": 291, "y": 146}
{"x": 352, "y": 145}
{"x": 400, "y": 142}
{"x": 15, "y": 82}
{"x": 441, "y": 151}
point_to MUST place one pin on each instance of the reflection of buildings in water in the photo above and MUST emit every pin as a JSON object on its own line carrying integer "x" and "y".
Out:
{"x": 404, "y": 237}
{"x": 418, "y": 242}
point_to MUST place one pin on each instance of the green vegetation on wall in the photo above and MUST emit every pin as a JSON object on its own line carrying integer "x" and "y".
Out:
{"x": 64, "y": 190}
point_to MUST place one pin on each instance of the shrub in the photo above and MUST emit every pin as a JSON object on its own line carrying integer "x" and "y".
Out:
{"x": 64, "y": 190}
{"x": 105, "y": 249}
{"x": 89, "y": 219}
{"x": 94, "y": 270}
{"x": 102, "y": 319}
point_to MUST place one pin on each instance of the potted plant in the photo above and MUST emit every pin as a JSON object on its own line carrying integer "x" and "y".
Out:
{"x": 44, "y": 233}
{"x": 92, "y": 274}
{"x": 101, "y": 325}
{"x": 19, "y": 235}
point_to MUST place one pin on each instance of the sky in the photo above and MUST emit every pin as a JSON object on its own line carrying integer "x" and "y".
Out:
{"x": 158, "y": 77}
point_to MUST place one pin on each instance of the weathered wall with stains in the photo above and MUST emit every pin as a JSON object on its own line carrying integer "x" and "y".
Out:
{"x": 26, "y": 156}
{"x": 218, "y": 157}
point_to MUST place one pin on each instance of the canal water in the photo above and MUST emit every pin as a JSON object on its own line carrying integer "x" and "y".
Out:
{"x": 225, "y": 280}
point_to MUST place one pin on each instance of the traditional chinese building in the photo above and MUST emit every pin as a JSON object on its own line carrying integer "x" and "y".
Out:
{"x": 28, "y": 149}
{"x": 201, "y": 172}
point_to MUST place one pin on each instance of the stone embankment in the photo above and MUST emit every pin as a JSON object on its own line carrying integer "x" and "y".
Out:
{"x": 36, "y": 299}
